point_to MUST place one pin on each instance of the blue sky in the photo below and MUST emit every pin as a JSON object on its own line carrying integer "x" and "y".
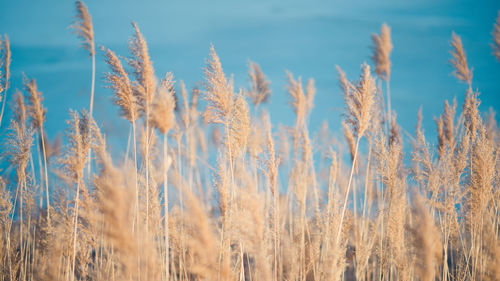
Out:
{"x": 306, "y": 37}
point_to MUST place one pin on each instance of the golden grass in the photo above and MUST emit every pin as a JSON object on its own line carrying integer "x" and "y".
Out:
{"x": 393, "y": 212}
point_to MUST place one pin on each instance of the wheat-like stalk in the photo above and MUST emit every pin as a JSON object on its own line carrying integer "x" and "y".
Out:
{"x": 144, "y": 90}
{"x": 359, "y": 101}
{"x": 84, "y": 29}
{"x": 37, "y": 114}
{"x": 163, "y": 118}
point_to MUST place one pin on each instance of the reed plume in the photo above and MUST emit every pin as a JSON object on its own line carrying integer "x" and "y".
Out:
{"x": 359, "y": 100}
{"x": 84, "y": 29}
{"x": 144, "y": 89}
{"x": 37, "y": 113}
{"x": 119, "y": 82}
{"x": 496, "y": 38}
{"x": 124, "y": 97}
{"x": 81, "y": 137}
{"x": 302, "y": 102}
{"x": 220, "y": 108}
{"x": 163, "y": 118}
{"x": 162, "y": 111}
{"x": 5, "y": 74}
{"x": 381, "y": 51}
{"x": 260, "y": 90}
{"x": 459, "y": 61}
{"x": 219, "y": 92}
{"x": 239, "y": 126}
{"x": 19, "y": 109}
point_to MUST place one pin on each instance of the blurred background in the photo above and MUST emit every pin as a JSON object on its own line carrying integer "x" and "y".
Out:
{"x": 307, "y": 38}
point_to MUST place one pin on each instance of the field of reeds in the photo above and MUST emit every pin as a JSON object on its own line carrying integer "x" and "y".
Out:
{"x": 276, "y": 204}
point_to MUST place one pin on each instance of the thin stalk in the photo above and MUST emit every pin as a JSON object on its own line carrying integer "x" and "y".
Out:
{"x": 165, "y": 194}
{"x": 276, "y": 234}
{"x": 3, "y": 104}
{"x": 135, "y": 176}
{"x": 147, "y": 167}
{"x": 388, "y": 92}
{"x": 44, "y": 151}
{"x": 93, "y": 83}
{"x": 367, "y": 179}
{"x": 348, "y": 189}
{"x": 127, "y": 152}
{"x": 75, "y": 221}
{"x": 136, "y": 221}
{"x": 39, "y": 167}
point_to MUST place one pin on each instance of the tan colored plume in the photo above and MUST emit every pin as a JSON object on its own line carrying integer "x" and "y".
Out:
{"x": 381, "y": 51}
{"x": 119, "y": 82}
{"x": 496, "y": 38}
{"x": 459, "y": 60}
{"x": 260, "y": 90}
{"x": 83, "y": 28}
{"x": 162, "y": 115}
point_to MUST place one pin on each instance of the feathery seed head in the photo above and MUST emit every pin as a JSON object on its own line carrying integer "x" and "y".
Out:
{"x": 260, "y": 90}
{"x": 219, "y": 92}
{"x": 83, "y": 134}
{"x": 459, "y": 60}
{"x": 302, "y": 103}
{"x": 359, "y": 101}
{"x": 496, "y": 38}
{"x": 239, "y": 125}
{"x": 5, "y": 76}
{"x": 472, "y": 119}
{"x": 162, "y": 115}
{"x": 83, "y": 28}
{"x": 19, "y": 141}
{"x": 145, "y": 87}
{"x": 382, "y": 50}
{"x": 35, "y": 99}
{"x": 19, "y": 109}
{"x": 119, "y": 82}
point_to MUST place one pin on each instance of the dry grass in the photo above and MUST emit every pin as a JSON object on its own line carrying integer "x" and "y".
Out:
{"x": 368, "y": 208}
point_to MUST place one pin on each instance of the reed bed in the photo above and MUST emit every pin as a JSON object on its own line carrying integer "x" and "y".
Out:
{"x": 279, "y": 203}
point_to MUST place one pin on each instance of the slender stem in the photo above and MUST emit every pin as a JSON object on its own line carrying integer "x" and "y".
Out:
{"x": 135, "y": 176}
{"x": 165, "y": 194}
{"x": 40, "y": 167}
{"x": 147, "y": 167}
{"x": 127, "y": 152}
{"x": 147, "y": 177}
{"x": 93, "y": 85}
{"x": 3, "y": 105}
{"x": 75, "y": 221}
{"x": 46, "y": 173}
{"x": 348, "y": 188}
{"x": 389, "y": 112}
{"x": 276, "y": 232}
{"x": 136, "y": 221}
{"x": 91, "y": 110}
{"x": 367, "y": 178}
